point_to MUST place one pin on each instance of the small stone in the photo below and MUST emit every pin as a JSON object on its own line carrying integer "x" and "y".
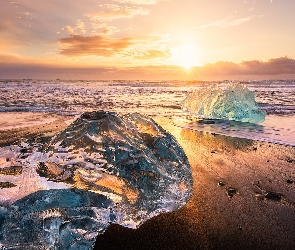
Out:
{"x": 273, "y": 196}
{"x": 220, "y": 183}
{"x": 231, "y": 192}
{"x": 207, "y": 122}
{"x": 290, "y": 160}
{"x": 6, "y": 184}
{"x": 12, "y": 170}
{"x": 259, "y": 196}
{"x": 24, "y": 150}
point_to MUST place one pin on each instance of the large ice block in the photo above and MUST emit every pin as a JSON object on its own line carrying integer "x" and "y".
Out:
{"x": 104, "y": 168}
{"x": 234, "y": 102}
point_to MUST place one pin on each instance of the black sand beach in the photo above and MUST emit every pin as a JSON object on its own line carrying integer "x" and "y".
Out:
{"x": 243, "y": 198}
{"x": 14, "y": 126}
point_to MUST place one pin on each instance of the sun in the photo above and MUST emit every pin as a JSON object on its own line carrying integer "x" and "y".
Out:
{"x": 186, "y": 56}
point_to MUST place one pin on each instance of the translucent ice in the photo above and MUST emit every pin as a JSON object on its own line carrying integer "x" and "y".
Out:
{"x": 104, "y": 168}
{"x": 234, "y": 102}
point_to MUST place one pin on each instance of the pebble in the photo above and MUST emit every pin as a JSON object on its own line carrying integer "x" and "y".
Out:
{"x": 273, "y": 196}
{"x": 231, "y": 192}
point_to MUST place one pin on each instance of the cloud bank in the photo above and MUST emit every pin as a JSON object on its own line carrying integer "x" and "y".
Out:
{"x": 276, "y": 68}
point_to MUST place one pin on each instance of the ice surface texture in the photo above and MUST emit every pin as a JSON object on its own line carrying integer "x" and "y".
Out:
{"x": 234, "y": 102}
{"x": 115, "y": 169}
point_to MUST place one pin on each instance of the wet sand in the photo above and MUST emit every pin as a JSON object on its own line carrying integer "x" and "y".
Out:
{"x": 15, "y": 126}
{"x": 243, "y": 198}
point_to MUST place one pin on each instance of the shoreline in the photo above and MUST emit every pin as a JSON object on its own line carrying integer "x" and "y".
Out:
{"x": 243, "y": 195}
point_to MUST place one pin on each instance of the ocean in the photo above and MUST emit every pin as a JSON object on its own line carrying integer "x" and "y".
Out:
{"x": 154, "y": 98}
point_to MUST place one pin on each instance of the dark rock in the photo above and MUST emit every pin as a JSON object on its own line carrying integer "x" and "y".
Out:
{"x": 273, "y": 196}
{"x": 231, "y": 192}
{"x": 6, "y": 184}
{"x": 12, "y": 170}
{"x": 206, "y": 122}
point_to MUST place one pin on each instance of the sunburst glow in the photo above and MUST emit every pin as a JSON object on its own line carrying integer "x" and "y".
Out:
{"x": 186, "y": 56}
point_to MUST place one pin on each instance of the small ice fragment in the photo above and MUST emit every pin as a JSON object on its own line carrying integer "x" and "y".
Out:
{"x": 234, "y": 102}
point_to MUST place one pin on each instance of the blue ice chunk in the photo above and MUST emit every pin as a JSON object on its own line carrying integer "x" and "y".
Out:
{"x": 56, "y": 219}
{"x": 121, "y": 169}
{"x": 234, "y": 102}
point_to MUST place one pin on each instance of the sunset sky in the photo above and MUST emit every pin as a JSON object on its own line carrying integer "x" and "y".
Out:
{"x": 147, "y": 39}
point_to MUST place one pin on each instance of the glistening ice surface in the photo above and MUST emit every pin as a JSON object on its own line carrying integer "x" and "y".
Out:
{"x": 234, "y": 102}
{"x": 104, "y": 168}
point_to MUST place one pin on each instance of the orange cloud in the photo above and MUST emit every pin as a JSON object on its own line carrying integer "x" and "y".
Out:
{"x": 220, "y": 68}
{"x": 77, "y": 45}
{"x": 114, "y": 11}
{"x": 79, "y": 28}
{"x": 144, "y": 48}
